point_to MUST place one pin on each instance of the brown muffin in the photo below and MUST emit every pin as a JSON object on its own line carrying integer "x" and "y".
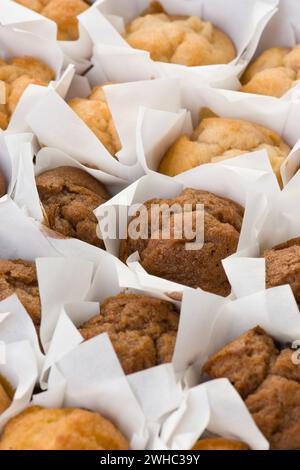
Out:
{"x": 269, "y": 382}
{"x": 69, "y": 196}
{"x": 283, "y": 266}
{"x": 179, "y": 39}
{"x": 2, "y": 184}
{"x": 38, "y": 428}
{"x": 202, "y": 268}
{"x": 6, "y": 394}
{"x": 19, "y": 277}
{"x": 246, "y": 361}
{"x": 142, "y": 329}
{"x": 219, "y": 444}
{"x": 275, "y": 407}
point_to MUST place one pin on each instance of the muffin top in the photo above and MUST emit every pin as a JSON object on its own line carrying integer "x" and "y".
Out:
{"x": 169, "y": 258}
{"x": 217, "y": 139}
{"x": 63, "y": 12}
{"x": 219, "y": 444}
{"x": 69, "y": 196}
{"x": 17, "y": 73}
{"x": 38, "y": 428}
{"x": 19, "y": 277}
{"x": 142, "y": 329}
{"x": 94, "y": 111}
{"x": 179, "y": 40}
{"x": 268, "y": 380}
{"x": 273, "y": 73}
{"x": 283, "y": 266}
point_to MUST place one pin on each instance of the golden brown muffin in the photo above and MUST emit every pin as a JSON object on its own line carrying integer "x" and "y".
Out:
{"x": 94, "y": 111}
{"x": 246, "y": 361}
{"x": 169, "y": 258}
{"x": 64, "y": 13}
{"x": 273, "y": 73}
{"x": 217, "y": 139}
{"x": 6, "y": 394}
{"x": 69, "y": 196}
{"x": 38, "y": 428}
{"x": 142, "y": 329}
{"x": 219, "y": 444}
{"x": 19, "y": 277}
{"x": 268, "y": 380}
{"x": 283, "y": 266}
{"x": 17, "y": 73}
{"x": 179, "y": 40}
{"x": 35, "y": 5}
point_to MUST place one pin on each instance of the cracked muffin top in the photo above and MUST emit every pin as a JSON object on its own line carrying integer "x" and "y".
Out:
{"x": 169, "y": 258}
{"x": 63, "y": 12}
{"x": 218, "y": 443}
{"x": 19, "y": 277}
{"x": 216, "y": 139}
{"x": 273, "y": 73}
{"x": 39, "y": 428}
{"x": 178, "y": 39}
{"x": 94, "y": 111}
{"x": 283, "y": 266}
{"x": 142, "y": 329}
{"x": 269, "y": 382}
{"x": 69, "y": 196}
{"x": 17, "y": 73}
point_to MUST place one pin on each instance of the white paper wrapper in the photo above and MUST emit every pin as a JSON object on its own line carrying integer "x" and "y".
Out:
{"x": 19, "y": 368}
{"x": 118, "y": 62}
{"x": 279, "y": 223}
{"x": 158, "y": 128}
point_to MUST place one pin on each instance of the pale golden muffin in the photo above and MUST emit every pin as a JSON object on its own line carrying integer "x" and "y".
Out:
{"x": 6, "y": 394}
{"x": 273, "y": 73}
{"x": 219, "y": 444}
{"x": 17, "y": 73}
{"x": 94, "y": 111}
{"x": 179, "y": 40}
{"x": 268, "y": 380}
{"x": 38, "y": 428}
{"x": 63, "y": 12}
{"x": 217, "y": 139}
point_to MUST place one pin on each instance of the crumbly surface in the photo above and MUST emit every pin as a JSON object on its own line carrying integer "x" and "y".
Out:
{"x": 69, "y": 196}
{"x": 142, "y": 329}
{"x": 5, "y": 398}
{"x": 169, "y": 258}
{"x": 275, "y": 407}
{"x": 217, "y": 139}
{"x": 246, "y": 361}
{"x": 37, "y": 428}
{"x": 219, "y": 444}
{"x": 283, "y": 266}
{"x": 17, "y": 73}
{"x": 94, "y": 111}
{"x": 273, "y": 73}
{"x": 285, "y": 366}
{"x": 19, "y": 277}
{"x": 63, "y": 12}
{"x": 179, "y": 40}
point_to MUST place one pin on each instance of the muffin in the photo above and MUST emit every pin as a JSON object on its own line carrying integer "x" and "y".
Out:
{"x": 63, "y": 12}
{"x": 179, "y": 39}
{"x": 94, "y": 111}
{"x": 283, "y": 266}
{"x": 169, "y": 258}
{"x": 269, "y": 382}
{"x": 19, "y": 277}
{"x": 38, "y": 428}
{"x": 217, "y": 139}
{"x": 273, "y": 73}
{"x": 219, "y": 444}
{"x": 2, "y": 183}
{"x": 69, "y": 196}
{"x": 142, "y": 329}
{"x": 6, "y": 394}
{"x": 17, "y": 73}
